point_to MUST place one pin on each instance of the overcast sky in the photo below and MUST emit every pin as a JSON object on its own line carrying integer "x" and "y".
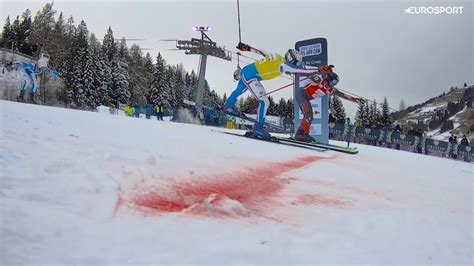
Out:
{"x": 376, "y": 48}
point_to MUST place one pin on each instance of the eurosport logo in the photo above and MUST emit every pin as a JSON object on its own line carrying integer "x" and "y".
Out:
{"x": 310, "y": 50}
{"x": 434, "y": 10}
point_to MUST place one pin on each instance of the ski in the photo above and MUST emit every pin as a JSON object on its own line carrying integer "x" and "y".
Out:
{"x": 278, "y": 141}
{"x": 331, "y": 147}
{"x": 276, "y": 128}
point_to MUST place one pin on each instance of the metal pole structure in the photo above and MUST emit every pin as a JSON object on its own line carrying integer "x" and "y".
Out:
{"x": 201, "y": 81}
{"x": 203, "y": 47}
{"x": 43, "y": 87}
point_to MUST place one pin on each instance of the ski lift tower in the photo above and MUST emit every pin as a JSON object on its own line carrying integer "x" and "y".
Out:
{"x": 204, "y": 47}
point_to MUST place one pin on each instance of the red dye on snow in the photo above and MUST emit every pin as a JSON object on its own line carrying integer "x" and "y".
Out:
{"x": 316, "y": 199}
{"x": 256, "y": 189}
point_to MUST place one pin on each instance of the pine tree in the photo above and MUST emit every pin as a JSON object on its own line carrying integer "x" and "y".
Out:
{"x": 402, "y": 105}
{"x": 360, "y": 114}
{"x": 109, "y": 48}
{"x": 280, "y": 108}
{"x": 122, "y": 51}
{"x": 23, "y": 35}
{"x": 339, "y": 113}
{"x": 224, "y": 98}
{"x": 385, "y": 117}
{"x": 116, "y": 59}
{"x": 178, "y": 90}
{"x": 192, "y": 86}
{"x": 58, "y": 52}
{"x": 7, "y": 35}
{"x": 59, "y": 27}
{"x": 374, "y": 115}
{"x": 366, "y": 118}
{"x": 120, "y": 83}
{"x": 96, "y": 65}
{"x": 15, "y": 33}
{"x": 160, "y": 88}
{"x": 215, "y": 100}
{"x": 149, "y": 69}
{"x": 289, "y": 108}
{"x": 43, "y": 25}
{"x": 106, "y": 91}
{"x": 207, "y": 93}
{"x": 70, "y": 28}
{"x": 271, "y": 106}
{"x": 77, "y": 76}
{"x": 170, "y": 81}
{"x": 250, "y": 105}
{"x": 138, "y": 76}
{"x": 241, "y": 104}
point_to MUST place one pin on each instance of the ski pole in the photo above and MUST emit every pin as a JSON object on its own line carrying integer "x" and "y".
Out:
{"x": 286, "y": 86}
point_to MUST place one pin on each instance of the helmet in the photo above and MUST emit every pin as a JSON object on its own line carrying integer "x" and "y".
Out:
{"x": 294, "y": 57}
{"x": 332, "y": 79}
{"x": 237, "y": 73}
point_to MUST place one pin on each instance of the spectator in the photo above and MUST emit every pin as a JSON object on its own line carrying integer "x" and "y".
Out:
{"x": 159, "y": 112}
{"x": 398, "y": 129}
{"x": 419, "y": 141}
{"x": 347, "y": 131}
{"x": 129, "y": 110}
{"x": 137, "y": 110}
{"x": 148, "y": 111}
{"x": 423, "y": 143}
{"x": 388, "y": 137}
{"x": 464, "y": 141}
{"x": 450, "y": 146}
{"x": 455, "y": 147}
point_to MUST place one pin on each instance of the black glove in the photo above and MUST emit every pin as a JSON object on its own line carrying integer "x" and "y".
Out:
{"x": 315, "y": 78}
{"x": 243, "y": 47}
{"x": 333, "y": 79}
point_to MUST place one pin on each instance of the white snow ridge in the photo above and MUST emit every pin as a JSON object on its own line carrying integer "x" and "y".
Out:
{"x": 84, "y": 188}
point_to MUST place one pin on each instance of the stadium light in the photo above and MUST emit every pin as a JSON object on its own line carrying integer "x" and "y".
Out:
{"x": 201, "y": 28}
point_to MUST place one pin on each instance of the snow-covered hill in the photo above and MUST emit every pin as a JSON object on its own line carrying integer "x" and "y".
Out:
{"x": 93, "y": 188}
{"x": 462, "y": 119}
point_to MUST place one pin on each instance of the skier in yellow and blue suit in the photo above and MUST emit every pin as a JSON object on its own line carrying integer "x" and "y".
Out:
{"x": 270, "y": 67}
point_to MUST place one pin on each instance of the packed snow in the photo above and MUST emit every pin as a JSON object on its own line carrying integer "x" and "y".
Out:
{"x": 87, "y": 188}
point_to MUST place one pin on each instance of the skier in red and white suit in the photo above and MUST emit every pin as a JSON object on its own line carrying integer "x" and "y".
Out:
{"x": 310, "y": 88}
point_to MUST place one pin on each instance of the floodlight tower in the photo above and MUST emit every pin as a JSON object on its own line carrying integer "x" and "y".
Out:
{"x": 204, "y": 47}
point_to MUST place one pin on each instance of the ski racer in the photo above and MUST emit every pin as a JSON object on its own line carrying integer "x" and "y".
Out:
{"x": 270, "y": 67}
{"x": 311, "y": 87}
{"x": 29, "y": 72}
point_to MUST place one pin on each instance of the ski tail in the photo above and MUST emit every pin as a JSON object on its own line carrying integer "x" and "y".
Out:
{"x": 278, "y": 141}
{"x": 275, "y": 128}
{"x": 331, "y": 147}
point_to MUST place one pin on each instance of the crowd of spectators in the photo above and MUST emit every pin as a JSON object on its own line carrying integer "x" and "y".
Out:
{"x": 414, "y": 140}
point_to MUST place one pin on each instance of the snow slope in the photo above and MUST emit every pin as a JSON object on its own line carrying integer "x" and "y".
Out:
{"x": 92, "y": 188}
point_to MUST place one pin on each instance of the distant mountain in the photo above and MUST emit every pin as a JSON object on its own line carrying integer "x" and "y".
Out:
{"x": 441, "y": 116}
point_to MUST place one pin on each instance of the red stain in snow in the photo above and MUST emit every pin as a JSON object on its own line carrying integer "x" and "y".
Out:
{"x": 316, "y": 199}
{"x": 256, "y": 190}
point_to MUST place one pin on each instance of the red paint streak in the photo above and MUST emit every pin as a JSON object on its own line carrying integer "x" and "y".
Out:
{"x": 316, "y": 199}
{"x": 256, "y": 189}
{"x": 120, "y": 201}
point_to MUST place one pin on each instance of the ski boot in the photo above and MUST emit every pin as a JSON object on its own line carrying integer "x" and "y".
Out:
{"x": 260, "y": 133}
{"x": 32, "y": 99}
{"x": 21, "y": 97}
{"x": 231, "y": 110}
{"x": 303, "y": 136}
